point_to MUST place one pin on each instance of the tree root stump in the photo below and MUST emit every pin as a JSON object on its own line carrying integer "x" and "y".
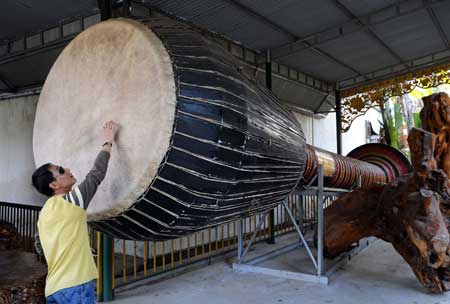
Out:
{"x": 413, "y": 212}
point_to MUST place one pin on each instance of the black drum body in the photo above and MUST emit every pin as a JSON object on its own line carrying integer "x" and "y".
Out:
{"x": 234, "y": 151}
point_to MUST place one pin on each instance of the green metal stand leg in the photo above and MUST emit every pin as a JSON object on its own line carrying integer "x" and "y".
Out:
{"x": 107, "y": 291}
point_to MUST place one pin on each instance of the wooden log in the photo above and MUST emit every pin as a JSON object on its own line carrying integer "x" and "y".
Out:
{"x": 435, "y": 118}
{"x": 22, "y": 278}
{"x": 22, "y": 275}
{"x": 9, "y": 237}
{"x": 413, "y": 212}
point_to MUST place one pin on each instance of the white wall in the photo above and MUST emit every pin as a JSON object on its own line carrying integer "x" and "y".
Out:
{"x": 321, "y": 132}
{"x": 16, "y": 152}
{"x": 356, "y": 136}
{"x": 325, "y": 133}
{"x": 307, "y": 125}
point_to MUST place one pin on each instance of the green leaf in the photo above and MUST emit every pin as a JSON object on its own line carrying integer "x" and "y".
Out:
{"x": 398, "y": 116}
{"x": 393, "y": 132}
{"x": 417, "y": 121}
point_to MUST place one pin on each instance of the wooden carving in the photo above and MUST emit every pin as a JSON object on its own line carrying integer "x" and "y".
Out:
{"x": 413, "y": 212}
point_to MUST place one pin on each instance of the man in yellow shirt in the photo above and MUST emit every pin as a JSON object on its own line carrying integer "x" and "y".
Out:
{"x": 62, "y": 227}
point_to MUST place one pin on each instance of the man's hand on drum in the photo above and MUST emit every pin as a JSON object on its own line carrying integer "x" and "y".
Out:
{"x": 109, "y": 131}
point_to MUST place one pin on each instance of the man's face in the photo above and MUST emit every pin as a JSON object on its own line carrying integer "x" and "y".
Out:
{"x": 63, "y": 177}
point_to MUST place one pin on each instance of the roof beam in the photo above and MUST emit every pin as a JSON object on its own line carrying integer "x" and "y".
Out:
{"x": 321, "y": 103}
{"x": 368, "y": 30}
{"x": 60, "y": 43}
{"x": 427, "y": 61}
{"x": 262, "y": 18}
{"x": 291, "y": 35}
{"x": 10, "y": 87}
{"x": 34, "y": 87}
{"x": 59, "y": 40}
{"x": 332, "y": 105}
{"x": 381, "y": 16}
{"x": 438, "y": 26}
{"x": 300, "y": 109}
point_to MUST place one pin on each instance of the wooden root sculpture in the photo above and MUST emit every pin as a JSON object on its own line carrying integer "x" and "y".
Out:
{"x": 413, "y": 212}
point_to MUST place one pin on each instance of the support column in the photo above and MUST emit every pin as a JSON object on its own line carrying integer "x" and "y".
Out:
{"x": 105, "y": 7}
{"x": 107, "y": 291}
{"x": 338, "y": 122}
{"x": 271, "y": 239}
{"x": 126, "y": 6}
{"x": 320, "y": 199}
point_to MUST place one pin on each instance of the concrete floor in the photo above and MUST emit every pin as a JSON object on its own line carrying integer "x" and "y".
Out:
{"x": 377, "y": 275}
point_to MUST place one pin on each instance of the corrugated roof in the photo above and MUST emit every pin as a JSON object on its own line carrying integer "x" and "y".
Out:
{"x": 314, "y": 64}
{"x": 411, "y": 36}
{"x": 363, "y": 36}
{"x": 362, "y": 7}
{"x": 360, "y": 51}
{"x": 298, "y": 17}
{"x": 336, "y": 41}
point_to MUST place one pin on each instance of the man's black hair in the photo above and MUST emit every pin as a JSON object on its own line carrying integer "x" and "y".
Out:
{"x": 42, "y": 178}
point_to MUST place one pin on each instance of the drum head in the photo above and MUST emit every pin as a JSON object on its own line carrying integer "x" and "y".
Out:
{"x": 116, "y": 70}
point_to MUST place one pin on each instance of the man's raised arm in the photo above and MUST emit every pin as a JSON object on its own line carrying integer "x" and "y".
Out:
{"x": 82, "y": 194}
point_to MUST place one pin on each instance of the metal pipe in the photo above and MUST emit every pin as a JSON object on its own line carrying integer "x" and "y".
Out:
{"x": 300, "y": 234}
{"x": 271, "y": 239}
{"x": 262, "y": 218}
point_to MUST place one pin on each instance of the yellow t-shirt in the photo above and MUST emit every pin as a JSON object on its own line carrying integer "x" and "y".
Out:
{"x": 64, "y": 238}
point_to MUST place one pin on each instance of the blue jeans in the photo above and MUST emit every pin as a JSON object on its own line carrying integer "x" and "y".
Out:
{"x": 80, "y": 294}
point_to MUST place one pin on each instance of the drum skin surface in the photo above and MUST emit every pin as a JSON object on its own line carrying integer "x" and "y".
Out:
{"x": 120, "y": 71}
{"x": 200, "y": 143}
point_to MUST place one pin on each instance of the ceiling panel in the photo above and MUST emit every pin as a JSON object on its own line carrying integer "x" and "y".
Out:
{"x": 294, "y": 94}
{"x": 299, "y": 17}
{"x": 411, "y": 36}
{"x": 227, "y": 19}
{"x": 362, "y": 7}
{"x": 310, "y": 62}
{"x": 360, "y": 51}
{"x": 441, "y": 10}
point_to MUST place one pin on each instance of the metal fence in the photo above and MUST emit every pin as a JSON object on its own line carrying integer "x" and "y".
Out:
{"x": 24, "y": 218}
{"x": 134, "y": 260}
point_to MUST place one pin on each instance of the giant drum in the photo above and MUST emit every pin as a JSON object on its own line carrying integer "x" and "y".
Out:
{"x": 200, "y": 143}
